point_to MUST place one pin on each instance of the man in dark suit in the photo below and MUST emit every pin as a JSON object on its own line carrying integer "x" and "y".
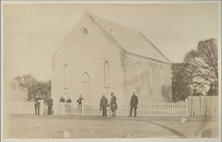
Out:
{"x": 113, "y": 104}
{"x": 49, "y": 103}
{"x": 68, "y": 105}
{"x": 68, "y": 100}
{"x": 37, "y": 104}
{"x": 62, "y": 99}
{"x": 103, "y": 105}
{"x": 79, "y": 101}
{"x": 133, "y": 104}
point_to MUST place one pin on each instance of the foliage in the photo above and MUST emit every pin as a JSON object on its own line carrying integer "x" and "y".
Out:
{"x": 199, "y": 70}
{"x": 43, "y": 89}
{"x": 180, "y": 82}
{"x": 203, "y": 66}
{"x": 166, "y": 93}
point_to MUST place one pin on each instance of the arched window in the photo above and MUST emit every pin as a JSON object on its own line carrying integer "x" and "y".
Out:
{"x": 66, "y": 76}
{"x": 151, "y": 76}
{"x": 106, "y": 75}
{"x": 86, "y": 87}
{"x": 138, "y": 74}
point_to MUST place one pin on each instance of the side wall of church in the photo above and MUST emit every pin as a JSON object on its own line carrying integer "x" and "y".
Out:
{"x": 150, "y": 78}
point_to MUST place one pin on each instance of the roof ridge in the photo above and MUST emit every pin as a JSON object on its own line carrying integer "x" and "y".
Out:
{"x": 92, "y": 17}
{"x": 112, "y": 22}
{"x": 125, "y": 27}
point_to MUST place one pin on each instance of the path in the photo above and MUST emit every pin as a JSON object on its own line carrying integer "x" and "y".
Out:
{"x": 31, "y": 126}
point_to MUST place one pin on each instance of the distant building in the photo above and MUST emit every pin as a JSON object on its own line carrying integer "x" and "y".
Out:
{"x": 99, "y": 56}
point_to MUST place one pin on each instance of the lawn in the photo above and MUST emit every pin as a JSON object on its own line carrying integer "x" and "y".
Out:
{"x": 32, "y": 126}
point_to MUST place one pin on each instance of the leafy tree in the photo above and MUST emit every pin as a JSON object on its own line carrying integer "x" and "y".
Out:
{"x": 180, "y": 82}
{"x": 203, "y": 66}
{"x": 34, "y": 87}
{"x": 166, "y": 92}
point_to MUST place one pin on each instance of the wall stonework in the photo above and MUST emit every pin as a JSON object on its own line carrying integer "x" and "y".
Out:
{"x": 146, "y": 92}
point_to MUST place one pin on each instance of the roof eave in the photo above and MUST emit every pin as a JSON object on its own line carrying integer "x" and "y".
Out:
{"x": 147, "y": 58}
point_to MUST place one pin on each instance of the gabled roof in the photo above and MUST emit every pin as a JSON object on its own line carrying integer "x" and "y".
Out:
{"x": 132, "y": 41}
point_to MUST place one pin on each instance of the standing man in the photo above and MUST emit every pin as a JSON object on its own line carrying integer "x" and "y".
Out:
{"x": 103, "y": 105}
{"x": 113, "y": 104}
{"x": 50, "y": 103}
{"x": 62, "y": 99}
{"x": 68, "y": 100}
{"x": 68, "y": 105}
{"x": 37, "y": 104}
{"x": 133, "y": 104}
{"x": 80, "y": 103}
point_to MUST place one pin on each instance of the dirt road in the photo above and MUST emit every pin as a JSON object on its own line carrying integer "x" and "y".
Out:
{"x": 32, "y": 126}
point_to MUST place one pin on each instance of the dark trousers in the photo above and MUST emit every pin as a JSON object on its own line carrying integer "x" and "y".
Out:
{"x": 36, "y": 109}
{"x": 131, "y": 110}
{"x": 104, "y": 111}
{"x": 49, "y": 110}
{"x": 80, "y": 108}
{"x": 68, "y": 108}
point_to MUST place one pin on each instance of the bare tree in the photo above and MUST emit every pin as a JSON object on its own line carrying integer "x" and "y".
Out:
{"x": 203, "y": 66}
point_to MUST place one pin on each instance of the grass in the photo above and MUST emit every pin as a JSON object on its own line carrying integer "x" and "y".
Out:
{"x": 49, "y": 126}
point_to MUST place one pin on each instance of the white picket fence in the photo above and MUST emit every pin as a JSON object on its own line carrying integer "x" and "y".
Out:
{"x": 21, "y": 107}
{"x": 193, "y": 106}
{"x": 148, "y": 109}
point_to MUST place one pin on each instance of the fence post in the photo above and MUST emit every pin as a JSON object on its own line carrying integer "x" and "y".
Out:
{"x": 20, "y": 106}
{"x": 83, "y": 108}
{"x": 186, "y": 106}
{"x": 42, "y": 107}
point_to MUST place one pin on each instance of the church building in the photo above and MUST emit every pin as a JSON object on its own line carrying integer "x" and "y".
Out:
{"x": 99, "y": 57}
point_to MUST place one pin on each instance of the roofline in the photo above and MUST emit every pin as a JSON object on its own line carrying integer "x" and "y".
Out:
{"x": 155, "y": 47}
{"x": 148, "y": 58}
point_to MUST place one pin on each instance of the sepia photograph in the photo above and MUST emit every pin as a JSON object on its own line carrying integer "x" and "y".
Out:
{"x": 104, "y": 71}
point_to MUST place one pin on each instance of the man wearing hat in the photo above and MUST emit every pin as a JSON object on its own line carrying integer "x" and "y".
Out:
{"x": 49, "y": 103}
{"x": 37, "y": 104}
{"x": 103, "y": 105}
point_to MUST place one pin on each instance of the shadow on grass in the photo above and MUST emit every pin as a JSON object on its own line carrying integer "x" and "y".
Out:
{"x": 209, "y": 133}
{"x": 177, "y": 133}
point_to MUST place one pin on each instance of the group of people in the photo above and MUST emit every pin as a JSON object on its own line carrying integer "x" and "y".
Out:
{"x": 103, "y": 104}
{"x": 37, "y": 104}
{"x": 50, "y": 103}
{"x": 70, "y": 101}
{"x": 79, "y": 101}
{"x": 113, "y": 105}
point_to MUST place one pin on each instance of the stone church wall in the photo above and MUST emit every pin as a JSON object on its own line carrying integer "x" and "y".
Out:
{"x": 151, "y": 78}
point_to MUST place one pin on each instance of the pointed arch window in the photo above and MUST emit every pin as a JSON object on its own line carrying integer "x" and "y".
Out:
{"x": 66, "y": 76}
{"x": 106, "y": 75}
{"x": 138, "y": 74}
{"x": 86, "y": 87}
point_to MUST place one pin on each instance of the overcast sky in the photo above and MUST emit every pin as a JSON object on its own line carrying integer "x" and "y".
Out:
{"x": 32, "y": 33}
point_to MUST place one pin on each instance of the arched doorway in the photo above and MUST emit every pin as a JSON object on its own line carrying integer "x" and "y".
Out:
{"x": 86, "y": 87}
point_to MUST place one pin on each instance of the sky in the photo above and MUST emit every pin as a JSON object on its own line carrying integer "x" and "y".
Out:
{"x": 33, "y": 33}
